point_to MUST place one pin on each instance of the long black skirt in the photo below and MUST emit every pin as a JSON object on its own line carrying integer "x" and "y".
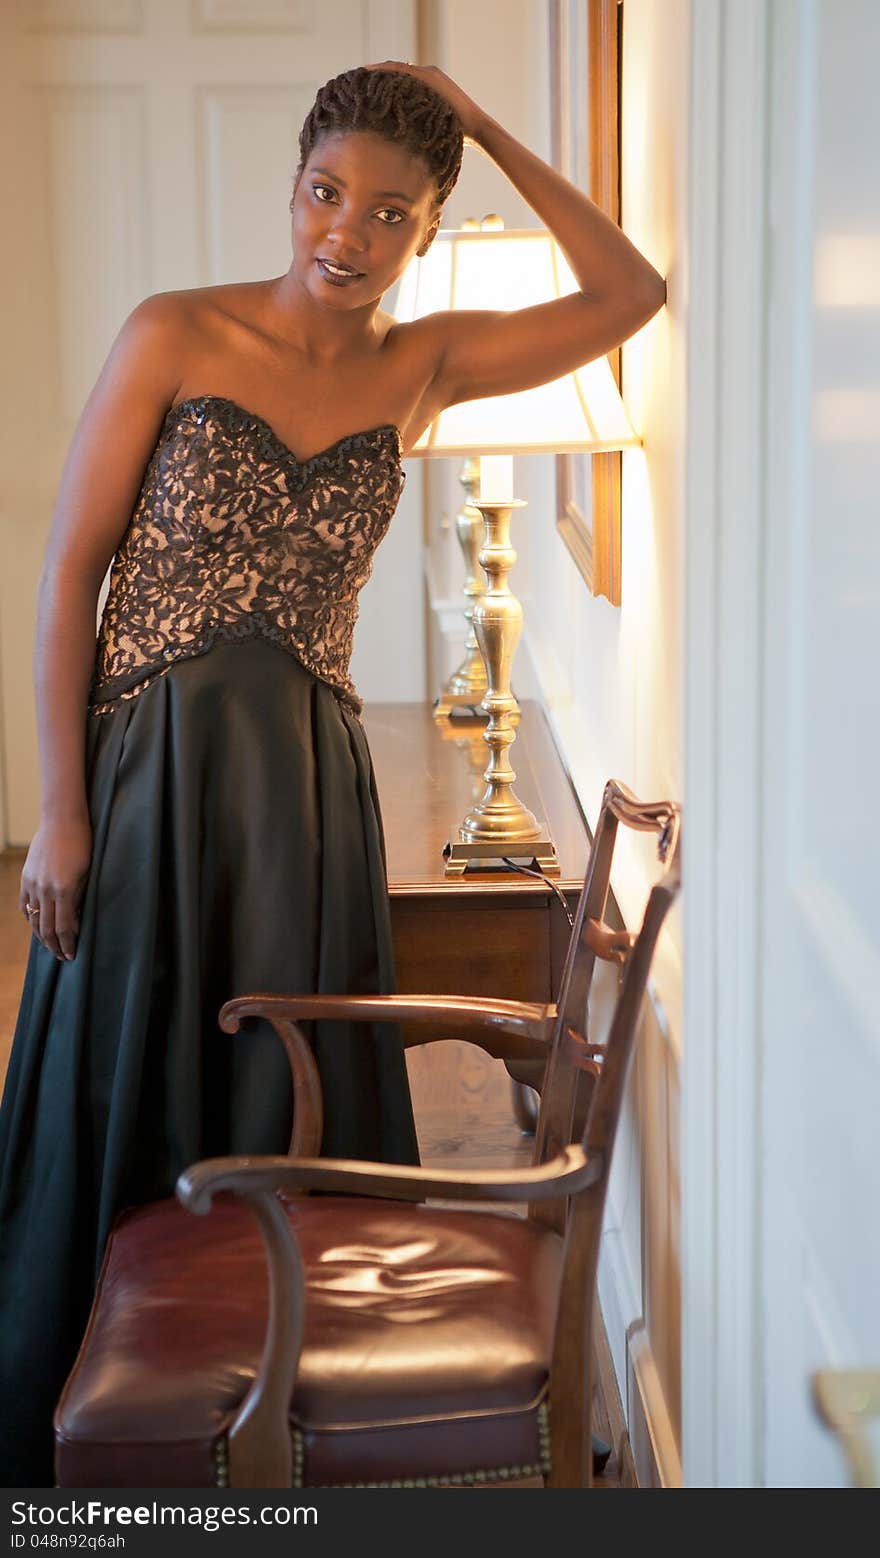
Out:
{"x": 237, "y": 847}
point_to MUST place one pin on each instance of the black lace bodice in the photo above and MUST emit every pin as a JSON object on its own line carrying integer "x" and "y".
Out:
{"x": 232, "y": 535}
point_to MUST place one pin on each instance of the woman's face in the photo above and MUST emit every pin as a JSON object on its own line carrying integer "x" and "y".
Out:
{"x": 362, "y": 207}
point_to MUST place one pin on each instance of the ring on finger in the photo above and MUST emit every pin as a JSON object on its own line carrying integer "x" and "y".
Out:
{"x": 33, "y": 909}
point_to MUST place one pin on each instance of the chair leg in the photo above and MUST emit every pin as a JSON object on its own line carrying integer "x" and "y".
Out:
{"x": 601, "y": 1455}
{"x": 525, "y": 1107}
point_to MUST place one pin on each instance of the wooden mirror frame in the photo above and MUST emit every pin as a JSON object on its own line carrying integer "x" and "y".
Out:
{"x": 593, "y": 539}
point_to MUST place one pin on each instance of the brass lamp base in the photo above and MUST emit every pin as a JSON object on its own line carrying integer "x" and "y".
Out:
{"x": 540, "y": 853}
{"x": 498, "y": 826}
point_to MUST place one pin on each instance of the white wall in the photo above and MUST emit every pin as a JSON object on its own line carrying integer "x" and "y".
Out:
{"x": 612, "y": 681}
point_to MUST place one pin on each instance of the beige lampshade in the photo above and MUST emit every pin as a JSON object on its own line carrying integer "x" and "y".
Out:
{"x": 492, "y": 268}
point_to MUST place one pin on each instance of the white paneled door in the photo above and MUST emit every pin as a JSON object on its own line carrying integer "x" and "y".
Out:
{"x": 821, "y": 1008}
{"x": 150, "y": 145}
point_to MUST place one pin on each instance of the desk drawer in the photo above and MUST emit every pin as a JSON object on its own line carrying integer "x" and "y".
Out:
{"x": 466, "y": 948}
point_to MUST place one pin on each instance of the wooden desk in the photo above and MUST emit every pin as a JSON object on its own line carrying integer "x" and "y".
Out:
{"x": 488, "y": 933}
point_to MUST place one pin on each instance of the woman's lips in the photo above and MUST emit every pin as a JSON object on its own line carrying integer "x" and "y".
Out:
{"x": 337, "y": 280}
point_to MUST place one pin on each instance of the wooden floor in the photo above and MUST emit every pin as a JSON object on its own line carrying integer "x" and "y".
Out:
{"x": 462, "y": 1098}
{"x": 14, "y": 940}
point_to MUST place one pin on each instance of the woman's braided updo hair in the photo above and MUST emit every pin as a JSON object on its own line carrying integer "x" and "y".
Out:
{"x": 396, "y": 105}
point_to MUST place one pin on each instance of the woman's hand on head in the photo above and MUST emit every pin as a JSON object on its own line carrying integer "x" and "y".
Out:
{"x": 470, "y": 114}
{"x": 52, "y": 882}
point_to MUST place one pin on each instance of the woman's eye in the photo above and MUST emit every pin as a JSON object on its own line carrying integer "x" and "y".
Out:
{"x": 388, "y": 215}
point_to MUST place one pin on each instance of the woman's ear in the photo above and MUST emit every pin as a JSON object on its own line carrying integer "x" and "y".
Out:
{"x": 428, "y": 239}
{"x": 299, "y": 173}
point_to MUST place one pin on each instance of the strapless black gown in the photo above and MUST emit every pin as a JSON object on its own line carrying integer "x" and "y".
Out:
{"x": 237, "y": 846}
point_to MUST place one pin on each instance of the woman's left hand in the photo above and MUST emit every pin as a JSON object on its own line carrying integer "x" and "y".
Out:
{"x": 471, "y": 115}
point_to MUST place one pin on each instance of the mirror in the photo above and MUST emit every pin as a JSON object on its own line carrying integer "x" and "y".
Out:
{"x": 585, "y": 52}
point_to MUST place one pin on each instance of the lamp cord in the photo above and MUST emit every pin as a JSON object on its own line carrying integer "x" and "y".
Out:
{"x": 541, "y": 876}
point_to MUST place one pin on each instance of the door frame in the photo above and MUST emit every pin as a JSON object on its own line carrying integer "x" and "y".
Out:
{"x": 725, "y": 569}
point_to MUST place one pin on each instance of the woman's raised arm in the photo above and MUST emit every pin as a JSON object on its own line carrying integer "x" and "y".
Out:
{"x": 102, "y": 474}
{"x": 495, "y": 353}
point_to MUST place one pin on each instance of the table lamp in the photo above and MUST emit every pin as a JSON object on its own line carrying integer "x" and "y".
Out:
{"x": 486, "y": 266}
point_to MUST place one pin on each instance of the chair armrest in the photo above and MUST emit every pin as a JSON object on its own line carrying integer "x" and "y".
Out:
{"x": 518, "y": 1030}
{"x": 515, "y": 1030}
{"x": 569, "y": 1171}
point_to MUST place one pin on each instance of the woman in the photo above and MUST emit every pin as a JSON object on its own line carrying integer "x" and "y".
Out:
{"x": 211, "y": 826}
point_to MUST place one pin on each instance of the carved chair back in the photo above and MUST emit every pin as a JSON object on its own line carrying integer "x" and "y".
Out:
{"x": 584, "y": 1080}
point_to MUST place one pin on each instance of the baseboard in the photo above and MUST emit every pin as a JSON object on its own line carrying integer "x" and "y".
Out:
{"x": 606, "y": 1380}
{"x": 648, "y": 1452}
{"x": 620, "y": 1294}
{"x": 655, "y": 1452}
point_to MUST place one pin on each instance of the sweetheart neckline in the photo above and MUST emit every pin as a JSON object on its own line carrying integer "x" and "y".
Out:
{"x": 254, "y": 416}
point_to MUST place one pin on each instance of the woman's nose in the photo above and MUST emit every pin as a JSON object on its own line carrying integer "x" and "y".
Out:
{"x": 347, "y": 234}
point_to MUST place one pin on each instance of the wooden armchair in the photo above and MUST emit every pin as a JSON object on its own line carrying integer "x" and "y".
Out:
{"x": 401, "y": 1343}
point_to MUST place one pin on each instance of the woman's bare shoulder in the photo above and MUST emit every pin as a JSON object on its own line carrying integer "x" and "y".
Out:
{"x": 193, "y": 308}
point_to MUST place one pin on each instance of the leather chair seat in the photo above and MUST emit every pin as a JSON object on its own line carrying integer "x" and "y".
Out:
{"x": 425, "y": 1360}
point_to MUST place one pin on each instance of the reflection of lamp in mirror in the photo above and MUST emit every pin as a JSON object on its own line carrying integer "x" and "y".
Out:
{"x": 466, "y": 686}
{"x": 487, "y": 267}
{"x": 466, "y": 733}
